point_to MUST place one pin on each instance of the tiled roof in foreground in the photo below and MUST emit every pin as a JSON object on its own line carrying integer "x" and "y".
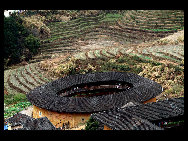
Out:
{"x": 140, "y": 116}
{"x": 131, "y": 116}
{"x": 29, "y": 123}
{"x": 46, "y": 95}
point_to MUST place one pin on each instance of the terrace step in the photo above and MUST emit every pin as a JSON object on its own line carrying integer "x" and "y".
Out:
{"x": 104, "y": 53}
{"x": 155, "y": 17}
{"x": 23, "y": 80}
{"x": 14, "y": 83}
{"x": 113, "y": 51}
{"x": 9, "y": 89}
{"x": 169, "y": 52}
{"x": 90, "y": 54}
{"x": 81, "y": 56}
{"x": 39, "y": 74}
{"x": 125, "y": 50}
{"x": 32, "y": 78}
{"x": 97, "y": 54}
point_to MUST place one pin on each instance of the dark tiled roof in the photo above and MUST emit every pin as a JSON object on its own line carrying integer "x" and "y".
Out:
{"x": 19, "y": 119}
{"x": 46, "y": 95}
{"x": 39, "y": 124}
{"x": 140, "y": 116}
{"x": 29, "y": 123}
{"x": 158, "y": 110}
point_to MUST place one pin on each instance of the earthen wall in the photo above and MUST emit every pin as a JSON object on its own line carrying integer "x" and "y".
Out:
{"x": 57, "y": 119}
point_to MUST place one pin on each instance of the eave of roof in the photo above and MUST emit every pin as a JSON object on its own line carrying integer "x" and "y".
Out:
{"x": 46, "y": 96}
{"x": 140, "y": 116}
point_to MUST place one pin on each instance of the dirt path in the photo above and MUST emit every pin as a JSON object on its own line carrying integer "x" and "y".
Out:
{"x": 28, "y": 111}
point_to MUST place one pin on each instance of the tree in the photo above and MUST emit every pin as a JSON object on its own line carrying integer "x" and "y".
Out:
{"x": 17, "y": 40}
{"x": 92, "y": 124}
{"x": 14, "y": 33}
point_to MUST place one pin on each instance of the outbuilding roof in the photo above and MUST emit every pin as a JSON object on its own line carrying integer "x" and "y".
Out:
{"x": 46, "y": 96}
{"x": 29, "y": 123}
{"x": 141, "y": 116}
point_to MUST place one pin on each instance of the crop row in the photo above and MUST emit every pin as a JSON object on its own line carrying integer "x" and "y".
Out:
{"x": 66, "y": 34}
{"x": 84, "y": 22}
{"x": 75, "y": 22}
{"x": 74, "y": 26}
{"x": 103, "y": 29}
{"x": 69, "y": 31}
{"x": 108, "y": 52}
{"x": 77, "y": 25}
{"x": 125, "y": 34}
{"x": 24, "y": 79}
{"x": 173, "y": 53}
{"x": 170, "y": 53}
{"x": 171, "y": 20}
{"x": 159, "y": 14}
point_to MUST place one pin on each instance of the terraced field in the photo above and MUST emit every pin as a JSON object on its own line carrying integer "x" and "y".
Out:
{"x": 131, "y": 27}
{"x": 103, "y": 36}
{"x": 170, "y": 53}
{"x": 24, "y": 79}
{"x": 153, "y": 20}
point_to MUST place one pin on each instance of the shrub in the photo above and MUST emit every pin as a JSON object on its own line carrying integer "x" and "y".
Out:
{"x": 121, "y": 59}
{"x": 14, "y": 98}
{"x": 32, "y": 43}
{"x": 137, "y": 70}
{"x": 123, "y": 68}
{"x": 20, "y": 97}
{"x": 8, "y": 99}
{"x": 13, "y": 109}
{"x": 92, "y": 124}
{"x": 36, "y": 26}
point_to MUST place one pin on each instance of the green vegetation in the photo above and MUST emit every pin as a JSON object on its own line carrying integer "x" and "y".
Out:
{"x": 14, "y": 33}
{"x": 159, "y": 30}
{"x": 32, "y": 43}
{"x": 14, "y": 98}
{"x": 92, "y": 124}
{"x": 175, "y": 122}
{"x": 13, "y": 109}
{"x": 111, "y": 17}
{"x": 19, "y": 44}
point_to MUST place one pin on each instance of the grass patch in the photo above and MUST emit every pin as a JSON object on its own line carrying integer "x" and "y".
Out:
{"x": 161, "y": 30}
{"x": 14, "y": 98}
{"x": 13, "y": 109}
{"x": 111, "y": 17}
{"x": 14, "y": 103}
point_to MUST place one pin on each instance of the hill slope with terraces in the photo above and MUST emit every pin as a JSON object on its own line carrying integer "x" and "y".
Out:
{"x": 110, "y": 29}
{"x": 138, "y": 41}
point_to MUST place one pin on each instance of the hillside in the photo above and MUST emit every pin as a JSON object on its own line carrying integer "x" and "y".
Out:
{"x": 147, "y": 42}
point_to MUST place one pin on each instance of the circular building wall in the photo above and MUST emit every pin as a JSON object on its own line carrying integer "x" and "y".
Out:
{"x": 75, "y": 97}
